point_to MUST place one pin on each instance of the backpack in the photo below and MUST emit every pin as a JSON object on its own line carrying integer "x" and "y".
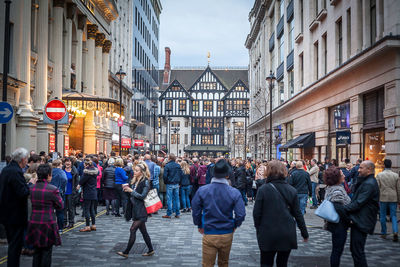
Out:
{"x": 202, "y": 176}
{"x": 194, "y": 179}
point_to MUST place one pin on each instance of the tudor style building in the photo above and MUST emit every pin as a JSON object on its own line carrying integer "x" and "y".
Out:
{"x": 203, "y": 111}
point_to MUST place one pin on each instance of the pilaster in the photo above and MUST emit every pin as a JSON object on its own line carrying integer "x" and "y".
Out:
{"x": 79, "y": 52}
{"x": 57, "y": 47}
{"x": 98, "y": 88}
{"x": 90, "y": 59}
{"x": 356, "y": 126}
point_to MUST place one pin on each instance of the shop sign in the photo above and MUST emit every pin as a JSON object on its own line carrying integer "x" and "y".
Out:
{"x": 126, "y": 143}
{"x": 391, "y": 125}
{"x": 66, "y": 145}
{"x": 138, "y": 142}
{"x": 52, "y": 143}
{"x": 343, "y": 138}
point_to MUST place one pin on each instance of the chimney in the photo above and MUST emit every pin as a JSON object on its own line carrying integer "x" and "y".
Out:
{"x": 167, "y": 66}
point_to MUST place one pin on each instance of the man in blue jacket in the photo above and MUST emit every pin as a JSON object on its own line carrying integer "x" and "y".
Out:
{"x": 213, "y": 207}
{"x": 172, "y": 179}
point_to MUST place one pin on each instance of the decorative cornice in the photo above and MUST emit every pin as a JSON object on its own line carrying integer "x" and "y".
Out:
{"x": 92, "y": 30}
{"x": 58, "y": 3}
{"x": 100, "y": 39}
{"x": 107, "y": 46}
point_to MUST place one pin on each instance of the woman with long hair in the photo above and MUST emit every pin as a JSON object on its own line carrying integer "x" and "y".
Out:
{"x": 42, "y": 233}
{"x": 185, "y": 186}
{"x": 276, "y": 213}
{"x": 136, "y": 211}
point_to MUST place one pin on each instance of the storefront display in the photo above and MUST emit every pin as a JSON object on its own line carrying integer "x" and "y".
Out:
{"x": 339, "y": 132}
{"x": 374, "y": 149}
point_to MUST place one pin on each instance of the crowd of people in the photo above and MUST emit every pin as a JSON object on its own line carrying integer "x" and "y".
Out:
{"x": 40, "y": 196}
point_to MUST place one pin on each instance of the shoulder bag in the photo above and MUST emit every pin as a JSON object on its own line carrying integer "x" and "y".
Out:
{"x": 152, "y": 202}
{"x": 327, "y": 212}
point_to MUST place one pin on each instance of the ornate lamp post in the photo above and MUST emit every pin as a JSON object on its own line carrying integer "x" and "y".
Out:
{"x": 121, "y": 75}
{"x": 270, "y": 79}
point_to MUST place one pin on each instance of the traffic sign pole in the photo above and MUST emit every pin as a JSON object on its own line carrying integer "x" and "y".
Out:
{"x": 56, "y": 135}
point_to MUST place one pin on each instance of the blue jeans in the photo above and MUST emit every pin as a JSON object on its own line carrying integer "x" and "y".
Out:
{"x": 243, "y": 192}
{"x": 302, "y": 202}
{"x": 185, "y": 192}
{"x": 314, "y": 196}
{"x": 173, "y": 199}
{"x": 383, "y": 208}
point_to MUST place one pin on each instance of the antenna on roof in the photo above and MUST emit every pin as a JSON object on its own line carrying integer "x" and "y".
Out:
{"x": 208, "y": 56}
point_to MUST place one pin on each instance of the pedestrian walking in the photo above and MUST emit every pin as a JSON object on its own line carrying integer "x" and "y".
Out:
{"x": 185, "y": 187}
{"x": 136, "y": 211}
{"x": 362, "y": 211}
{"x": 120, "y": 179}
{"x": 275, "y": 215}
{"x": 172, "y": 179}
{"x": 43, "y": 232}
{"x": 212, "y": 211}
{"x": 70, "y": 194}
{"x": 336, "y": 194}
{"x": 313, "y": 172}
{"x": 59, "y": 180}
{"x": 14, "y": 193}
{"x": 389, "y": 197}
{"x": 108, "y": 183}
{"x": 241, "y": 180}
{"x": 88, "y": 183}
{"x": 300, "y": 179}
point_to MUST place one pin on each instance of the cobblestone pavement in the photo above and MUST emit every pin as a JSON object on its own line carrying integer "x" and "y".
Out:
{"x": 177, "y": 243}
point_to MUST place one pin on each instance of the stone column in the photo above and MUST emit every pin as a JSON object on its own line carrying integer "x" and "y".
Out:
{"x": 57, "y": 47}
{"x": 356, "y": 124}
{"x": 84, "y": 67}
{"x": 379, "y": 19}
{"x": 89, "y": 134}
{"x": 366, "y": 24}
{"x": 356, "y": 27}
{"x": 41, "y": 66}
{"x": 90, "y": 45}
{"x": 79, "y": 51}
{"x": 98, "y": 83}
{"x": 27, "y": 122}
{"x": 68, "y": 46}
{"x": 106, "y": 56}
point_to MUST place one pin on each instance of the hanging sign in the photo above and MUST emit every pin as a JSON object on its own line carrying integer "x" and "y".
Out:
{"x": 66, "y": 145}
{"x": 52, "y": 143}
{"x": 138, "y": 142}
{"x": 126, "y": 143}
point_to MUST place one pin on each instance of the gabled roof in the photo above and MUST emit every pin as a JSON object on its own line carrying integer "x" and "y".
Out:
{"x": 188, "y": 76}
{"x": 175, "y": 83}
{"x": 238, "y": 83}
{"x": 208, "y": 69}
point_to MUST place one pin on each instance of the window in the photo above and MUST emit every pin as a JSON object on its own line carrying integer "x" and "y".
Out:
{"x": 301, "y": 60}
{"x": 281, "y": 50}
{"x": 373, "y": 20}
{"x": 207, "y": 140}
{"x": 186, "y": 139}
{"x": 340, "y": 117}
{"x": 207, "y": 105}
{"x": 339, "y": 42}
{"x": 291, "y": 82}
{"x": 281, "y": 92}
{"x": 272, "y": 60}
{"x": 186, "y": 124}
{"x": 348, "y": 35}
{"x": 175, "y": 124}
{"x": 281, "y": 8}
{"x": 316, "y": 7}
{"x": 182, "y": 105}
{"x": 175, "y": 88}
{"x": 301, "y": 16}
{"x": 175, "y": 138}
{"x": 168, "y": 104}
{"x": 220, "y": 105}
{"x": 195, "y": 105}
{"x": 291, "y": 35}
{"x": 208, "y": 85}
{"x": 239, "y": 88}
{"x": 316, "y": 59}
{"x": 228, "y": 105}
{"x": 325, "y": 53}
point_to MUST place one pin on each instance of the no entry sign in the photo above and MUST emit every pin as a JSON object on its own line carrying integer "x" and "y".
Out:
{"x": 55, "y": 110}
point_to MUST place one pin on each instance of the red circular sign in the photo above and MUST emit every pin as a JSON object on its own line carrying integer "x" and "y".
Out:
{"x": 120, "y": 122}
{"x": 55, "y": 110}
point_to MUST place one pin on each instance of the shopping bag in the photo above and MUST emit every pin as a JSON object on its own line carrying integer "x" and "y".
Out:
{"x": 152, "y": 202}
{"x": 327, "y": 212}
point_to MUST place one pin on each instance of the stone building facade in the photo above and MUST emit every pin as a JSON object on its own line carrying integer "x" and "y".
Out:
{"x": 337, "y": 87}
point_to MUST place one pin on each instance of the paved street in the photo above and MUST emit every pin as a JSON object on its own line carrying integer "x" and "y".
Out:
{"x": 177, "y": 243}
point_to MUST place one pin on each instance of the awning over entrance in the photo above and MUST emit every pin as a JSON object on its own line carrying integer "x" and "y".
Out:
{"x": 302, "y": 141}
{"x": 206, "y": 149}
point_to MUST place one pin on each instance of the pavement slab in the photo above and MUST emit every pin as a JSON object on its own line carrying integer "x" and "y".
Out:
{"x": 178, "y": 243}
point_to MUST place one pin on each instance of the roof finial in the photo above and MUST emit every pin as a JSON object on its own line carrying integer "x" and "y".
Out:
{"x": 208, "y": 56}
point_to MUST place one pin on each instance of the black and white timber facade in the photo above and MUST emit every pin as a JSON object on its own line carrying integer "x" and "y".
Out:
{"x": 209, "y": 108}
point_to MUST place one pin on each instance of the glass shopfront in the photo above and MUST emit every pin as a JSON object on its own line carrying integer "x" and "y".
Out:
{"x": 374, "y": 148}
{"x": 339, "y": 123}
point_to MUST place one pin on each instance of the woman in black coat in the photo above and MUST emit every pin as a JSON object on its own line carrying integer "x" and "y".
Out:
{"x": 138, "y": 189}
{"x": 241, "y": 180}
{"x": 88, "y": 183}
{"x": 276, "y": 206}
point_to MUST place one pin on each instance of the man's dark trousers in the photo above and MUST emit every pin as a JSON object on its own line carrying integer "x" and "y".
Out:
{"x": 15, "y": 239}
{"x": 357, "y": 245}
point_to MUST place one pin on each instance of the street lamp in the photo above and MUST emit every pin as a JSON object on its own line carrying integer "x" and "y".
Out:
{"x": 246, "y": 114}
{"x": 154, "y": 125}
{"x": 234, "y": 137}
{"x": 229, "y": 137}
{"x": 270, "y": 79}
{"x": 176, "y": 131}
{"x": 169, "y": 134}
{"x": 121, "y": 75}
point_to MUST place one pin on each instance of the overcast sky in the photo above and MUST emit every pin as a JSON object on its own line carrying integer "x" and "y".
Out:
{"x": 191, "y": 28}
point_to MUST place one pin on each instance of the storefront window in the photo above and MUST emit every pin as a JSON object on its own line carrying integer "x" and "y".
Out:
{"x": 340, "y": 117}
{"x": 374, "y": 149}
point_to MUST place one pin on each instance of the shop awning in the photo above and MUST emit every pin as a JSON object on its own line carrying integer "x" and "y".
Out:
{"x": 302, "y": 141}
{"x": 206, "y": 149}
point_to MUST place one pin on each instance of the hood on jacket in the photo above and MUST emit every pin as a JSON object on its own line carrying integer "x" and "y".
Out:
{"x": 91, "y": 171}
